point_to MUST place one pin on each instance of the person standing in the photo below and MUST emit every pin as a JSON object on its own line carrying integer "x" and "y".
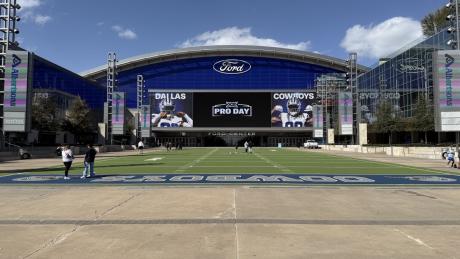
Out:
{"x": 67, "y": 158}
{"x": 250, "y": 145}
{"x": 140, "y": 147}
{"x": 450, "y": 158}
{"x": 246, "y": 146}
{"x": 90, "y": 156}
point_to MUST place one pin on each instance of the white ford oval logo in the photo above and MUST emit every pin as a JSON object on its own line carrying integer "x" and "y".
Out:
{"x": 232, "y": 66}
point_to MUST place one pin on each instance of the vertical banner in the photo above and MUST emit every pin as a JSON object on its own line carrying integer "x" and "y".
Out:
{"x": 447, "y": 90}
{"x": 118, "y": 113}
{"x": 16, "y": 86}
{"x": 345, "y": 113}
{"x": 145, "y": 120}
{"x": 318, "y": 121}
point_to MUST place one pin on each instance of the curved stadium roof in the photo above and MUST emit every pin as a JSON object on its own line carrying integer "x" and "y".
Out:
{"x": 223, "y": 50}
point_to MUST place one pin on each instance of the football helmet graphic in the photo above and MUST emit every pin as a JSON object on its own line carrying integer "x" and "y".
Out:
{"x": 293, "y": 105}
{"x": 167, "y": 106}
{"x": 309, "y": 108}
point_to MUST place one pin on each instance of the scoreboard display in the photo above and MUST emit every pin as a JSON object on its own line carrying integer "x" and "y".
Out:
{"x": 233, "y": 109}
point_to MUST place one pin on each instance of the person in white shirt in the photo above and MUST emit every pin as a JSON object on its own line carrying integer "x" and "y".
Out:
{"x": 67, "y": 158}
{"x": 140, "y": 147}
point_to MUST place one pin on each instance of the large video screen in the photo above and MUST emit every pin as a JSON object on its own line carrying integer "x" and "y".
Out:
{"x": 172, "y": 110}
{"x": 232, "y": 109}
{"x": 292, "y": 110}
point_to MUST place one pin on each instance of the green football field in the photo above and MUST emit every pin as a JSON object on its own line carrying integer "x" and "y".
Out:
{"x": 226, "y": 161}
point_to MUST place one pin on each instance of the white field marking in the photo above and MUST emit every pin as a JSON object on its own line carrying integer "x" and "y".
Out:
{"x": 193, "y": 163}
{"x": 416, "y": 240}
{"x": 274, "y": 150}
{"x": 154, "y": 159}
{"x": 268, "y": 161}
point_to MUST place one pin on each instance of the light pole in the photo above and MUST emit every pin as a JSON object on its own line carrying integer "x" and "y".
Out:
{"x": 111, "y": 85}
{"x": 353, "y": 86}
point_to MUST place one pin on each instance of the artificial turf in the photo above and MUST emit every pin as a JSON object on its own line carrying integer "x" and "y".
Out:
{"x": 227, "y": 161}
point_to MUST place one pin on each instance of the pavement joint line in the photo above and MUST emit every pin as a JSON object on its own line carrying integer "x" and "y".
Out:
{"x": 355, "y": 222}
{"x": 236, "y": 225}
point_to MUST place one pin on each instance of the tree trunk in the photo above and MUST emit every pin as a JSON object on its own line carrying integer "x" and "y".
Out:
{"x": 426, "y": 138}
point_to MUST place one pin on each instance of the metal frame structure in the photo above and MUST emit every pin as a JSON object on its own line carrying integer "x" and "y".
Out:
{"x": 8, "y": 31}
{"x": 353, "y": 86}
{"x": 140, "y": 101}
{"x": 111, "y": 86}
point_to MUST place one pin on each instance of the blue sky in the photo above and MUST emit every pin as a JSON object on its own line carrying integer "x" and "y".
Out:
{"x": 78, "y": 34}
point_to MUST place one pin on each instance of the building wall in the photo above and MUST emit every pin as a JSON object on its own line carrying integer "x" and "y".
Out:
{"x": 198, "y": 74}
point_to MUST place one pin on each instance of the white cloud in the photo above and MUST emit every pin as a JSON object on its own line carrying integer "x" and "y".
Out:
{"x": 25, "y": 4}
{"x": 100, "y": 24}
{"x": 28, "y": 12}
{"x": 382, "y": 39}
{"x": 238, "y": 36}
{"x": 42, "y": 19}
{"x": 123, "y": 33}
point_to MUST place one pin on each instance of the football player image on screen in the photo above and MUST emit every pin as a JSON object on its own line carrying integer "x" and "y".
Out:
{"x": 168, "y": 117}
{"x": 293, "y": 116}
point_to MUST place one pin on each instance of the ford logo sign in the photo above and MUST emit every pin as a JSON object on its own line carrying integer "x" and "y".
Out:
{"x": 232, "y": 66}
{"x": 410, "y": 65}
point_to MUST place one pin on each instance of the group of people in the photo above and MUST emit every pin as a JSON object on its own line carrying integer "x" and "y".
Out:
{"x": 68, "y": 158}
{"x": 169, "y": 145}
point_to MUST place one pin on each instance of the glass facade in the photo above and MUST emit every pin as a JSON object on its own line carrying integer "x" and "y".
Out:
{"x": 48, "y": 77}
{"x": 401, "y": 79}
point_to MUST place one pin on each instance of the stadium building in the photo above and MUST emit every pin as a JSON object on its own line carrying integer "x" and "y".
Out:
{"x": 221, "y": 95}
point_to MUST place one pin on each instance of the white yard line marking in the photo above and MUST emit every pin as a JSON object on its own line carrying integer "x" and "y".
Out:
{"x": 154, "y": 159}
{"x": 189, "y": 165}
{"x": 273, "y": 164}
{"x": 416, "y": 240}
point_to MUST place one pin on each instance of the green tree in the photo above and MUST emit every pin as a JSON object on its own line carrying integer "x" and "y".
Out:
{"x": 388, "y": 121}
{"x": 434, "y": 22}
{"x": 44, "y": 113}
{"x": 78, "y": 119}
{"x": 422, "y": 119}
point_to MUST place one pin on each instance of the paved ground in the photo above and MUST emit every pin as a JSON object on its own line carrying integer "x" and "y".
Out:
{"x": 229, "y": 221}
